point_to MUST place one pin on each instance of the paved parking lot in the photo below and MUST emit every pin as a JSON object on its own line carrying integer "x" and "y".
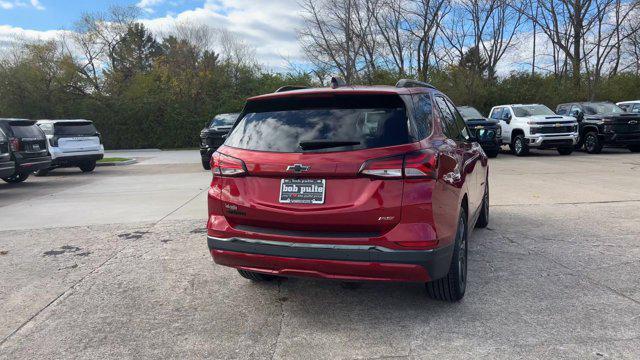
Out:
{"x": 114, "y": 264}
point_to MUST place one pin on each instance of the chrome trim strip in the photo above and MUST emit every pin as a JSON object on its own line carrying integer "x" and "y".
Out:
{"x": 309, "y": 245}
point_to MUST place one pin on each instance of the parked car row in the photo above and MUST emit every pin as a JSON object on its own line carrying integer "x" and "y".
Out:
{"x": 36, "y": 147}
{"x": 588, "y": 125}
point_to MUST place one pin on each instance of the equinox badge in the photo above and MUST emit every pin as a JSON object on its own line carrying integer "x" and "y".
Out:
{"x": 298, "y": 168}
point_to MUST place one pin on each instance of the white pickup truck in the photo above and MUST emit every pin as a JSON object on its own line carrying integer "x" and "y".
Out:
{"x": 526, "y": 126}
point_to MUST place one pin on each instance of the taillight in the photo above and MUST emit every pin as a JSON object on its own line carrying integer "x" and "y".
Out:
{"x": 14, "y": 144}
{"x": 225, "y": 165}
{"x": 419, "y": 164}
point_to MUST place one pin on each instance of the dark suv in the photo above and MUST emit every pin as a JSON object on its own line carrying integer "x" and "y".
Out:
{"x": 212, "y": 136}
{"x": 7, "y": 166}
{"x": 352, "y": 184}
{"x": 487, "y": 132}
{"x": 604, "y": 124}
{"x": 28, "y": 148}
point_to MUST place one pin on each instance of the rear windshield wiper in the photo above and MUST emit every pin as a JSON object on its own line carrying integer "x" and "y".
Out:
{"x": 324, "y": 144}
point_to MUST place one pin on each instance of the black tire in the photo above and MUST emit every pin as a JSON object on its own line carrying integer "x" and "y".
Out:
{"x": 16, "y": 178}
{"x": 565, "y": 150}
{"x": 43, "y": 172}
{"x": 634, "y": 148}
{"x": 206, "y": 165}
{"x": 592, "y": 143}
{"x": 452, "y": 287}
{"x": 519, "y": 146}
{"x": 483, "y": 218}
{"x": 493, "y": 153}
{"x": 87, "y": 166}
{"x": 254, "y": 276}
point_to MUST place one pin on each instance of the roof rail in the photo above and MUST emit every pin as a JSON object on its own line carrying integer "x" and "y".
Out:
{"x": 290, "y": 88}
{"x": 409, "y": 83}
{"x": 337, "y": 82}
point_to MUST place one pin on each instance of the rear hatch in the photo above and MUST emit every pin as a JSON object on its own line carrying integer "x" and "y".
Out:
{"x": 31, "y": 141}
{"x": 75, "y": 136}
{"x": 302, "y": 157}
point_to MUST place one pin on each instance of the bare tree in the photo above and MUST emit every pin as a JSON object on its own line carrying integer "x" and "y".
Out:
{"x": 331, "y": 36}
{"x": 425, "y": 18}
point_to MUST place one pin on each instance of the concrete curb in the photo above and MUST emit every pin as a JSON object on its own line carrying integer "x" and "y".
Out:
{"x": 117, "y": 163}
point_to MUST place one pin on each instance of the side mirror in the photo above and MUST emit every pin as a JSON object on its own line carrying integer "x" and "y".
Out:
{"x": 507, "y": 118}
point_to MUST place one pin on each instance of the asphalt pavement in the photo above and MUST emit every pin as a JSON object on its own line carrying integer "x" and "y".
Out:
{"x": 114, "y": 264}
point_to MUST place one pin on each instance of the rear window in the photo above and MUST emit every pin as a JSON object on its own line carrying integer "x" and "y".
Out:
{"x": 3, "y": 137}
{"x": 27, "y": 131}
{"x": 224, "y": 120}
{"x": 322, "y": 123}
{"x": 75, "y": 129}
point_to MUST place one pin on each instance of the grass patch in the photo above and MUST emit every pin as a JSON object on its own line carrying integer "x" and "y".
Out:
{"x": 113, "y": 159}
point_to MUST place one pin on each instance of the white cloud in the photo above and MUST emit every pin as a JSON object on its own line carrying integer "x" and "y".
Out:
{"x": 267, "y": 25}
{"x": 147, "y": 5}
{"x": 13, "y": 4}
{"x": 36, "y": 4}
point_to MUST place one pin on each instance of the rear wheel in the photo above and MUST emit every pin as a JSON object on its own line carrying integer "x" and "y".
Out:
{"x": 592, "y": 143}
{"x": 254, "y": 276}
{"x": 519, "y": 146}
{"x": 634, "y": 148}
{"x": 87, "y": 166}
{"x": 452, "y": 287}
{"x": 16, "y": 178}
{"x": 565, "y": 150}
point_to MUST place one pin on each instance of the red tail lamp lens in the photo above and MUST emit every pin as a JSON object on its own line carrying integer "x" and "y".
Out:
{"x": 225, "y": 165}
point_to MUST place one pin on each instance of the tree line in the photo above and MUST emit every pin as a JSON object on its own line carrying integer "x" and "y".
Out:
{"x": 142, "y": 90}
{"x": 147, "y": 89}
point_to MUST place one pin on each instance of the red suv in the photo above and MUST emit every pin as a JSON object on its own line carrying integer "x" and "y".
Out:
{"x": 349, "y": 183}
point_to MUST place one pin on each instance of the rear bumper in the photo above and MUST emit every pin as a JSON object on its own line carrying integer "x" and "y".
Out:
{"x": 74, "y": 160}
{"x": 29, "y": 165}
{"x": 7, "y": 168}
{"x": 331, "y": 261}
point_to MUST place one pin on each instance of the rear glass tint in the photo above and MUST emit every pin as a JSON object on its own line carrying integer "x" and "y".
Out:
{"x": 3, "y": 137}
{"x": 362, "y": 121}
{"x": 27, "y": 131}
{"x": 75, "y": 129}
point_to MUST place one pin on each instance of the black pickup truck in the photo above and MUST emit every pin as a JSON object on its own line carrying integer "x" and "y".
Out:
{"x": 603, "y": 124}
{"x": 487, "y": 132}
{"x": 212, "y": 136}
{"x": 27, "y": 148}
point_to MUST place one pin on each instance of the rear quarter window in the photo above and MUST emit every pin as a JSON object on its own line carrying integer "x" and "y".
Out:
{"x": 283, "y": 124}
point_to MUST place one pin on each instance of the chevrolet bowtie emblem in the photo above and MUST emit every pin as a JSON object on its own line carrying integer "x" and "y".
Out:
{"x": 298, "y": 168}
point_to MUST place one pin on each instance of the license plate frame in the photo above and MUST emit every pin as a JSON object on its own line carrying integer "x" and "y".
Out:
{"x": 302, "y": 191}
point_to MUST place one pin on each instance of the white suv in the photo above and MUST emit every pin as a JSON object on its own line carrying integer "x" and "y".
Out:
{"x": 72, "y": 143}
{"x": 535, "y": 126}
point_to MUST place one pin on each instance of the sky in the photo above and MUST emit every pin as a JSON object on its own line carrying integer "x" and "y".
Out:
{"x": 253, "y": 21}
